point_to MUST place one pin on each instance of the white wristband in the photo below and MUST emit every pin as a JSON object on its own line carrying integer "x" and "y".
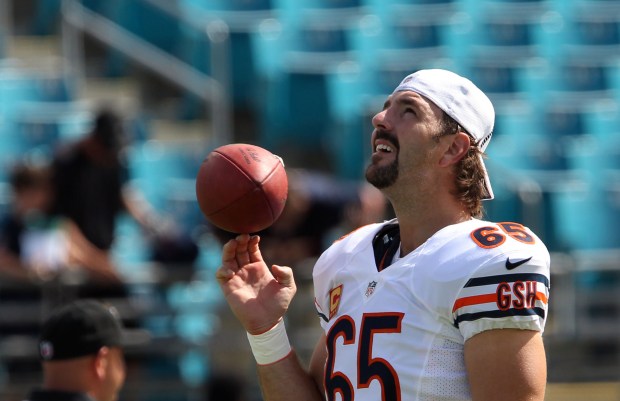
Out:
{"x": 270, "y": 346}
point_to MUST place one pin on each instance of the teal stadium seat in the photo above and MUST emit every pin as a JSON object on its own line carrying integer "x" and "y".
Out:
{"x": 131, "y": 250}
{"x": 242, "y": 19}
{"x": 406, "y": 27}
{"x": 239, "y": 15}
{"x": 603, "y": 119}
{"x": 145, "y": 21}
{"x": 185, "y": 40}
{"x": 308, "y": 36}
{"x": 576, "y": 38}
{"x": 596, "y": 157}
{"x": 520, "y": 3}
{"x": 196, "y": 296}
{"x": 497, "y": 44}
{"x": 564, "y": 119}
{"x": 573, "y": 116}
{"x": 505, "y": 80}
{"x": 164, "y": 172}
{"x": 42, "y": 126}
{"x": 520, "y": 143}
{"x": 582, "y": 74}
{"x": 15, "y": 89}
{"x": 599, "y": 29}
{"x": 380, "y": 8}
{"x": 194, "y": 364}
{"x": 46, "y": 17}
{"x": 295, "y": 61}
{"x": 506, "y": 25}
{"x": 155, "y": 159}
{"x": 18, "y": 89}
{"x": 588, "y": 213}
{"x": 506, "y": 205}
{"x": 530, "y": 166}
{"x": 586, "y": 216}
{"x": 581, "y": 27}
{"x": 296, "y": 10}
{"x": 579, "y": 75}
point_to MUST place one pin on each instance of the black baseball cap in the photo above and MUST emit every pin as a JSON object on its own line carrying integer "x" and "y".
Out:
{"x": 80, "y": 328}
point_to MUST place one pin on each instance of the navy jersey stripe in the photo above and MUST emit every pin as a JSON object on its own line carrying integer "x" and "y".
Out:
{"x": 468, "y": 317}
{"x": 508, "y": 278}
{"x": 322, "y": 316}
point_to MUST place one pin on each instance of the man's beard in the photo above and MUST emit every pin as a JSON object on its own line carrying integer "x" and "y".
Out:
{"x": 382, "y": 176}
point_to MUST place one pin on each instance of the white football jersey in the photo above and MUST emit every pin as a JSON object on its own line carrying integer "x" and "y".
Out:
{"x": 398, "y": 334}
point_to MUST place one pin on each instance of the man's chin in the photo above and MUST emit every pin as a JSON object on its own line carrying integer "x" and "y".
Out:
{"x": 381, "y": 177}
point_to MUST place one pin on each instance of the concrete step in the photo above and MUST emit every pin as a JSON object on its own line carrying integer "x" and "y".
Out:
{"x": 195, "y": 131}
{"x": 121, "y": 94}
{"x": 36, "y": 52}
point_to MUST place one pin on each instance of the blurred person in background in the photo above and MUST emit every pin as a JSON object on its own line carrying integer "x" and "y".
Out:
{"x": 81, "y": 351}
{"x": 35, "y": 245}
{"x": 370, "y": 206}
{"x": 435, "y": 304}
{"x": 91, "y": 183}
{"x": 317, "y": 204}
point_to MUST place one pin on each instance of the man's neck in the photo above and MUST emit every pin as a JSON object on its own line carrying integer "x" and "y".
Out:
{"x": 418, "y": 224}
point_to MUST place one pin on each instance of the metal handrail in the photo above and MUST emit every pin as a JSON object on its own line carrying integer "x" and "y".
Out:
{"x": 77, "y": 20}
{"x": 5, "y": 23}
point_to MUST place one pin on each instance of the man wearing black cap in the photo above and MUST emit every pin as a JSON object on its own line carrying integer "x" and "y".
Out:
{"x": 81, "y": 352}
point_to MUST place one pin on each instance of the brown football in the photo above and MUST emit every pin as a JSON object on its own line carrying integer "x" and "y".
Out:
{"x": 241, "y": 188}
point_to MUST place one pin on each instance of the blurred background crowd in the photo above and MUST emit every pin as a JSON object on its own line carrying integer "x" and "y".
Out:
{"x": 108, "y": 107}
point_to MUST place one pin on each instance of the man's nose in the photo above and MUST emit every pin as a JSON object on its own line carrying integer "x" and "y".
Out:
{"x": 380, "y": 120}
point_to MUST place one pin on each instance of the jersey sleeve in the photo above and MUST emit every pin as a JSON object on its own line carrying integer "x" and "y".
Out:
{"x": 327, "y": 283}
{"x": 508, "y": 291}
{"x": 331, "y": 271}
{"x": 321, "y": 301}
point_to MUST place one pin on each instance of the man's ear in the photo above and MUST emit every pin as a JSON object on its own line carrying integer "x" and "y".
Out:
{"x": 457, "y": 149}
{"x": 100, "y": 363}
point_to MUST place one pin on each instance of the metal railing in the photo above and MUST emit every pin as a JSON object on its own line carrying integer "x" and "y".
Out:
{"x": 77, "y": 20}
{"x": 5, "y": 24}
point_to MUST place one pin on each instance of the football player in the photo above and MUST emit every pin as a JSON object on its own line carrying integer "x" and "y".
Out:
{"x": 436, "y": 304}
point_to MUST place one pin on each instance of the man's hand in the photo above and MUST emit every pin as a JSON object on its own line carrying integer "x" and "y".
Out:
{"x": 259, "y": 297}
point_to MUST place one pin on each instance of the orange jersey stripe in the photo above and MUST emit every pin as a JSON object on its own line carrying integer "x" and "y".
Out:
{"x": 486, "y": 298}
{"x": 474, "y": 300}
{"x": 542, "y": 297}
{"x": 347, "y": 234}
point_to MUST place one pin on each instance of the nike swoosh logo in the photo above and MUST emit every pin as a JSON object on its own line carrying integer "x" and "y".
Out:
{"x": 513, "y": 265}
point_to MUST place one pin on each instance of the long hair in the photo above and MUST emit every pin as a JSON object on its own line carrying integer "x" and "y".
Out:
{"x": 470, "y": 188}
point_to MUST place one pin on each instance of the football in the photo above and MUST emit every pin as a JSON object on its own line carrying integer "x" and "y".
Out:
{"x": 241, "y": 188}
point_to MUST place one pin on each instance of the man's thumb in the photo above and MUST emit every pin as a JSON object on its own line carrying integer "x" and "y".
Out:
{"x": 284, "y": 275}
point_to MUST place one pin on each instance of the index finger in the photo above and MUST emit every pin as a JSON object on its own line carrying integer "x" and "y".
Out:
{"x": 254, "y": 250}
{"x": 229, "y": 252}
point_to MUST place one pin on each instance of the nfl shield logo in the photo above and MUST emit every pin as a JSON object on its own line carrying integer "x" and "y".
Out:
{"x": 371, "y": 288}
